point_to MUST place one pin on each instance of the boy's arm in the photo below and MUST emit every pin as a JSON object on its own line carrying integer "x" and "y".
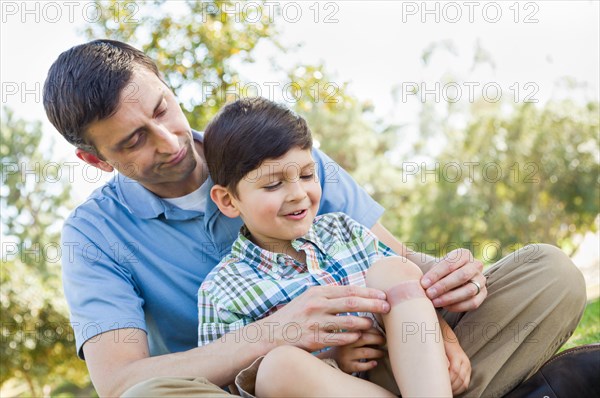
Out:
{"x": 214, "y": 318}
{"x": 445, "y": 280}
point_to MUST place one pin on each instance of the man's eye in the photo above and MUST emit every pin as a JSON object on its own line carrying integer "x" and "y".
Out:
{"x": 137, "y": 141}
{"x": 307, "y": 176}
{"x": 162, "y": 113}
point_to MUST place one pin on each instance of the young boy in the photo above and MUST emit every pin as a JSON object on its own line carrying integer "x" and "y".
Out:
{"x": 259, "y": 157}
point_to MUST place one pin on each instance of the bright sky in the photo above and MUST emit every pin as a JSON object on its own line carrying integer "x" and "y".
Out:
{"x": 377, "y": 46}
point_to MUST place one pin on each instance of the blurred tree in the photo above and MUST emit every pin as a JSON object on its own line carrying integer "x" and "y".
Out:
{"x": 196, "y": 44}
{"x": 37, "y": 345}
{"x": 346, "y": 129}
{"x": 530, "y": 175}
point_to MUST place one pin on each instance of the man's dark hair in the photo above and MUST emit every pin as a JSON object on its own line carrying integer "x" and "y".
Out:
{"x": 247, "y": 132}
{"x": 84, "y": 85}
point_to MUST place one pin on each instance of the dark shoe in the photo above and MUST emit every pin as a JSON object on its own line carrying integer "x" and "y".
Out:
{"x": 572, "y": 373}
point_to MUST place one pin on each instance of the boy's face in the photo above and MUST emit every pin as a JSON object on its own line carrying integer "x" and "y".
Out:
{"x": 279, "y": 200}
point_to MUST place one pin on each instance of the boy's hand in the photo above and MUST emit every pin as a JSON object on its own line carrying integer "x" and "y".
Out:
{"x": 459, "y": 366}
{"x": 349, "y": 357}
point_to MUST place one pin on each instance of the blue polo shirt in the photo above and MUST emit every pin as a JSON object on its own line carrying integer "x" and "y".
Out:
{"x": 133, "y": 260}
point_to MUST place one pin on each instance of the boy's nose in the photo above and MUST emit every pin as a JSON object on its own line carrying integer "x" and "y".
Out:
{"x": 297, "y": 191}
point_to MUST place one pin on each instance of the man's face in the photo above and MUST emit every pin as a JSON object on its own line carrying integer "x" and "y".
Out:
{"x": 149, "y": 139}
{"x": 279, "y": 200}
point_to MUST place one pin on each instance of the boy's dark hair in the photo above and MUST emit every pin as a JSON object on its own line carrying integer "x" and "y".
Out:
{"x": 84, "y": 85}
{"x": 247, "y": 132}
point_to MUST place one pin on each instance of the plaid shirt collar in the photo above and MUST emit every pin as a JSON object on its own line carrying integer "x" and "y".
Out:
{"x": 273, "y": 263}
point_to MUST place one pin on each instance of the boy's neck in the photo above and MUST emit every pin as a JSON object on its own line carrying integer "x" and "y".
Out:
{"x": 284, "y": 247}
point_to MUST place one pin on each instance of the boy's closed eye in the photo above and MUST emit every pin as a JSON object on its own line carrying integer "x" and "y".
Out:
{"x": 273, "y": 186}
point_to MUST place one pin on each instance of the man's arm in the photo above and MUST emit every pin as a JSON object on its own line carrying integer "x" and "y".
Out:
{"x": 422, "y": 260}
{"x": 119, "y": 359}
{"x": 445, "y": 280}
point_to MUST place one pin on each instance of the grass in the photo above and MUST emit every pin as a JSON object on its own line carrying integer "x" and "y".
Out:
{"x": 588, "y": 330}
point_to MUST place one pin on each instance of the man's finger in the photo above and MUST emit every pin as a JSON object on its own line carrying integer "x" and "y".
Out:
{"x": 470, "y": 304}
{"x": 328, "y": 339}
{"x": 454, "y": 280}
{"x": 336, "y": 323}
{"x": 357, "y": 304}
{"x": 349, "y": 291}
{"x": 465, "y": 290}
{"x": 451, "y": 262}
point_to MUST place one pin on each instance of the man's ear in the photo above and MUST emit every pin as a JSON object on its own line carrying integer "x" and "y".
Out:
{"x": 93, "y": 160}
{"x": 224, "y": 201}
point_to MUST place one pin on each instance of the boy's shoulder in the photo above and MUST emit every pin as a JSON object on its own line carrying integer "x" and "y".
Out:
{"x": 230, "y": 266}
{"x": 338, "y": 225}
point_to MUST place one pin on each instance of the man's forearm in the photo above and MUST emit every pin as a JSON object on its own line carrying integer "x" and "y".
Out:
{"x": 115, "y": 365}
{"x": 422, "y": 260}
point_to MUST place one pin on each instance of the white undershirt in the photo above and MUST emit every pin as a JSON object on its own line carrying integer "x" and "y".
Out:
{"x": 192, "y": 201}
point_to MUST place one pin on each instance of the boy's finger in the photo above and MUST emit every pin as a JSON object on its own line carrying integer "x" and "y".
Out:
{"x": 368, "y": 353}
{"x": 363, "y": 366}
{"x": 371, "y": 339}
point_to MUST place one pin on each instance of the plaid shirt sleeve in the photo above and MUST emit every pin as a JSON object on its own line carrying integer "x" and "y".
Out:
{"x": 373, "y": 246}
{"x": 214, "y": 315}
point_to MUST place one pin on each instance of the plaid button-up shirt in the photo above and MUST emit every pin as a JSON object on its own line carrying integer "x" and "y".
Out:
{"x": 251, "y": 283}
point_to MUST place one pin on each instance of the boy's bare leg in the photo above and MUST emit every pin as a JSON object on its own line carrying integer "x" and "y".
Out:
{"x": 291, "y": 372}
{"x": 415, "y": 344}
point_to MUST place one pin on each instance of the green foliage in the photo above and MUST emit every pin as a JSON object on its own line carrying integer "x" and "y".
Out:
{"x": 37, "y": 341}
{"x": 588, "y": 330}
{"x": 506, "y": 180}
{"x": 197, "y": 46}
{"x": 528, "y": 173}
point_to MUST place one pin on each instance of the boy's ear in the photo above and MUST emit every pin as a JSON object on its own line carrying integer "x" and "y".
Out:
{"x": 224, "y": 201}
{"x": 93, "y": 160}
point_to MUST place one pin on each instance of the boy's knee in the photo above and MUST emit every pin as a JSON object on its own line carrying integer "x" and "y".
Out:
{"x": 388, "y": 271}
{"x": 286, "y": 358}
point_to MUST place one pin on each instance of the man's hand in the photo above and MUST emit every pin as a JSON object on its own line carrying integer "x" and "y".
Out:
{"x": 448, "y": 284}
{"x": 311, "y": 320}
{"x": 359, "y": 356}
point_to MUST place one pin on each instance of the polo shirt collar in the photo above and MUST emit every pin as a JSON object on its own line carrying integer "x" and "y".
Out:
{"x": 144, "y": 204}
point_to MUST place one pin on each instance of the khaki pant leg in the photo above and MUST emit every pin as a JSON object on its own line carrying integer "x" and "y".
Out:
{"x": 176, "y": 387}
{"x": 536, "y": 297}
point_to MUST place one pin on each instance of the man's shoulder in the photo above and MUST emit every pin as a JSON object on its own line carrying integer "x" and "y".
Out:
{"x": 102, "y": 202}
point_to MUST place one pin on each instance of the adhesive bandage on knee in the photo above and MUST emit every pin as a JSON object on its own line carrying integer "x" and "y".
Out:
{"x": 406, "y": 290}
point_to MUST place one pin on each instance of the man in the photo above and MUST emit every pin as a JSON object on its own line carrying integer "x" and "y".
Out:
{"x": 143, "y": 243}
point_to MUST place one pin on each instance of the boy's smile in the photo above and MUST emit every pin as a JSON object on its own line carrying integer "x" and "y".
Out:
{"x": 279, "y": 200}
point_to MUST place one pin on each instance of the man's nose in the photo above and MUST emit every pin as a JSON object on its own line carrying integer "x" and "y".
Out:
{"x": 165, "y": 141}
